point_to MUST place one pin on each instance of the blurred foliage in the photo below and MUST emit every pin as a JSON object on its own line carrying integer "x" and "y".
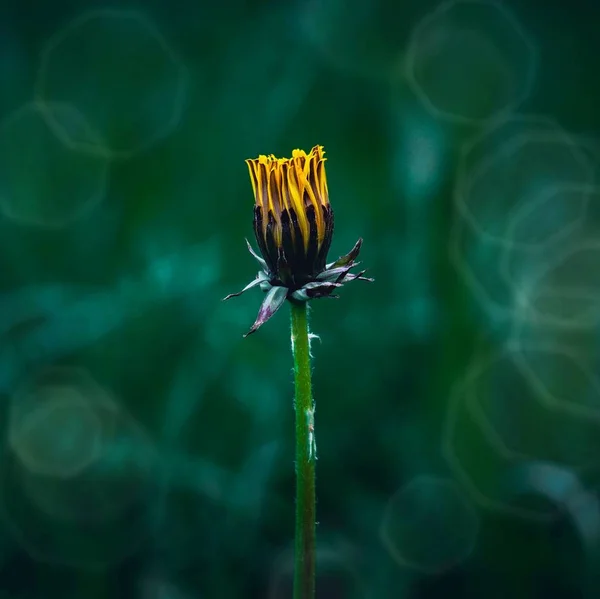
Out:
{"x": 148, "y": 448}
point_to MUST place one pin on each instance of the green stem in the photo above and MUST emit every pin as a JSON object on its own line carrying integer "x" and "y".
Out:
{"x": 304, "y": 571}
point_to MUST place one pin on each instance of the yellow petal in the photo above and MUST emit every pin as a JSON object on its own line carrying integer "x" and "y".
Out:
{"x": 291, "y": 183}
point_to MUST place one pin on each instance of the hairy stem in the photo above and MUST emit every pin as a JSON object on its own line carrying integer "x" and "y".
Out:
{"x": 304, "y": 571}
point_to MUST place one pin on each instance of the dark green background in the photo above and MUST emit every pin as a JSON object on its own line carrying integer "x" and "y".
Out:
{"x": 148, "y": 449}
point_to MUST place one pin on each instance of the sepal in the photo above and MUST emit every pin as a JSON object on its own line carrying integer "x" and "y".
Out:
{"x": 260, "y": 279}
{"x": 349, "y": 258}
{"x": 272, "y": 302}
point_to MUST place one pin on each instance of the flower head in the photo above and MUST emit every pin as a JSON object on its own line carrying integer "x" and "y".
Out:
{"x": 293, "y": 225}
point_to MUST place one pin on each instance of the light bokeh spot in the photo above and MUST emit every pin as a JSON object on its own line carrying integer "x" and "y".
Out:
{"x": 534, "y": 401}
{"x": 120, "y": 72}
{"x": 524, "y": 183}
{"x": 429, "y": 525}
{"x": 565, "y": 382}
{"x": 524, "y": 192}
{"x": 86, "y": 510}
{"x": 528, "y": 412}
{"x": 480, "y": 465}
{"x": 478, "y": 261}
{"x": 470, "y": 61}
{"x": 567, "y": 293}
{"x": 44, "y": 182}
{"x": 60, "y": 438}
{"x": 564, "y": 488}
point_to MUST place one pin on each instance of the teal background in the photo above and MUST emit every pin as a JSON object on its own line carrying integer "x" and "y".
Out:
{"x": 148, "y": 449}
